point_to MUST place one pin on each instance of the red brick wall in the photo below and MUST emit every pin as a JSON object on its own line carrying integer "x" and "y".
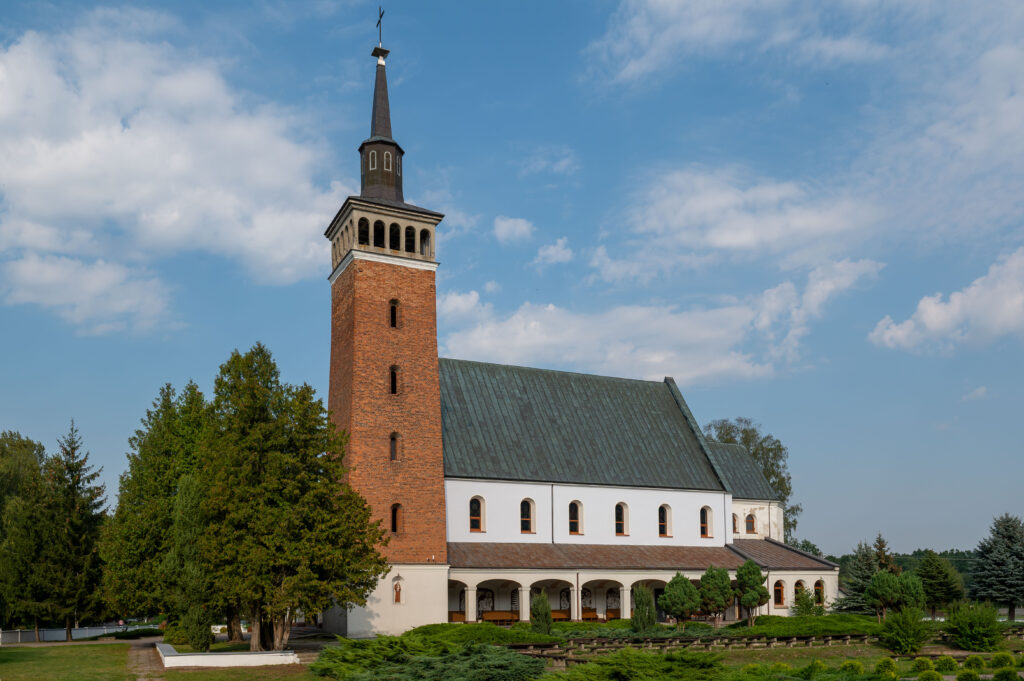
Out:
{"x": 363, "y": 349}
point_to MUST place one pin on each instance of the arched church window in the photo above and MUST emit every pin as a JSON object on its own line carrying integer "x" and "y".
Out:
{"x": 395, "y": 242}
{"x": 387, "y": 161}
{"x": 364, "y": 232}
{"x": 526, "y": 516}
{"x": 394, "y": 380}
{"x": 621, "y": 520}
{"x": 780, "y": 593}
{"x": 575, "y": 518}
{"x": 373, "y": 160}
{"x": 378, "y": 234}
{"x": 819, "y": 592}
{"x": 705, "y": 522}
{"x": 394, "y": 446}
{"x": 410, "y": 239}
{"x": 484, "y": 600}
{"x": 751, "y": 524}
{"x": 425, "y": 242}
{"x": 514, "y": 600}
{"x": 393, "y": 314}
{"x": 664, "y": 521}
{"x": 396, "y": 518}
{"x": 799, "y": 587}
{"x": 476, "y": 514}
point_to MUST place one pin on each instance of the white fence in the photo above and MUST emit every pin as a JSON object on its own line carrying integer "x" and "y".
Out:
{"x": 29, "y": 635}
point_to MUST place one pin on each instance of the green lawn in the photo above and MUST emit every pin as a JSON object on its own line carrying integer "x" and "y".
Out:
{"x": 294, "y": 672}
{"x": 102, "y": 662}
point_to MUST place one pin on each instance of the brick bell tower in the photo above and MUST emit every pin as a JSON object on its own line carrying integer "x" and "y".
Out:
{"x": 384, "y": 384}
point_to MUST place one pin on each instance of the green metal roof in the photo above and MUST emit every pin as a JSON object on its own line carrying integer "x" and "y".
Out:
{"x": 740, "y": 473}
{"x": 515, "y": 423}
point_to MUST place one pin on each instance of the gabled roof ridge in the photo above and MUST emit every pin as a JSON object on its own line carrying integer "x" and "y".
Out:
{"x": 677, "y": 395}
{"x": 743, "y": 554}
{"x": 801, "y": 552}
{"x": 552, "y": 371}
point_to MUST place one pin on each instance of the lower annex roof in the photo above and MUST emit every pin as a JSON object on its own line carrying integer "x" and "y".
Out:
{"x": 766, "y": 553}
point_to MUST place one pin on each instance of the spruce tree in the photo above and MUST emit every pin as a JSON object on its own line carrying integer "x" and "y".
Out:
{"x": 75, "y": 504}
{"x": 855, "y": 578}
{"x": 941, "y": 582}
{"x": 884, "y": 556}
{"x": 998, "y": 573}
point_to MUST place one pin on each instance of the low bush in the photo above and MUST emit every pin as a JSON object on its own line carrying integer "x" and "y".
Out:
{"x": 813, "y": 668}
{"x": 974, "y": 626}
{"x": 1020, "y": 662}
{"x": 175, "y": 635}
{"x": 929, "y": 675}
{"x": 852, "y": 667}
{"x": 775, "y": 626}
{"x": 476, "y": 632}
{"x": 974, "y": 662}
{"x": 968, "y": 675}
{"x": 886, "y": 665}
{"x": 946, "y": 663}
{"x": 781, "y": 668}
{"x": 751, "y": 668}
{"x": 196, "y": 626}
{"x": 635, "y": 665}
{"x": 1006, "y": 674}
{"x": 923, "y": 664}
{"x": 1001, "y": 660}
{"x": 904, "y": 632}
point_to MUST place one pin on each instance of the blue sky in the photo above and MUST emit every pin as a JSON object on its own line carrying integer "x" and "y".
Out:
{"x": 807, "y": 214}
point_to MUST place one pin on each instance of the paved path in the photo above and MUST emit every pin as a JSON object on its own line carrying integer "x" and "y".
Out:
{"x": 144, "y": 661}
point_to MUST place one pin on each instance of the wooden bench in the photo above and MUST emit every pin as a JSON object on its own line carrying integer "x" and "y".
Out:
{"x": 590, "y": 615}
{"x": 559, "y": 615}
{"x": 612, "y": 614}
{"x": 456, "y": 616}
{"x": 499, "y": 616}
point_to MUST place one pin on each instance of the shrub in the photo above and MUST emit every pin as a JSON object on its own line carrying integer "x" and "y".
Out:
{"x": 644, "y": 614}
{"x": 813, "y": 668}
{"x": 472, "y": 663}
{"x": 905, "y": 631}
{"x": 473, "y": 632}
{"x": 540, "y": 614}
{"x": 804, "y": 605}
{"x": 1001, "y": 660}
{"x": 633, "y": 664}
{"x": 974, "y": 662}
{"x": 175, "y": 635}
{"x": 196, "y": 625}
{"x": 968, "y": 675}
{"x": 946, "y": 664}
{"x": 923, "y": 664}
{"x": 852, "y": 667}
{"x": 886, "y": 665}
{"x": 781, "y": 668}
{"x": 1006, "y": 674}
{"x": 775, "y": 626}
{"x": 929, "y": 675}
{"x": 751, "y": 668}
{"x": 1020, "y": 663}
{"x": 974, "y": 626}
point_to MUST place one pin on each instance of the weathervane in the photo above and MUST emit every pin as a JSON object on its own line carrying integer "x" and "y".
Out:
{"x": 380, "y": 17}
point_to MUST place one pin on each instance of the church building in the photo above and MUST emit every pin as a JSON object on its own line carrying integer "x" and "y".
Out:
{"x": 497, "y": 483}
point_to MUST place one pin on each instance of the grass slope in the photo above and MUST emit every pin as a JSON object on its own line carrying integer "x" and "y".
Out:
{"x": 100, "y": 662}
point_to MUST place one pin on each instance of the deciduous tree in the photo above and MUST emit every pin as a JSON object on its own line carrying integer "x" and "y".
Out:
{"x": 769, "y": 453}
{"x": 750, "y": 585}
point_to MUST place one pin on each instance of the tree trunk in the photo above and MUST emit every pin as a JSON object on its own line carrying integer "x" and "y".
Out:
{"x": 255, "y": 629}
{"x": 36, "y": 620}
{"x": 933, "y": 614}
{"x": 266, "y": 634}
{"x": 67, "y": 628}
{"x": 282, "y": 628}
{"x": 234, "y": 624}
{"x": 1011, "y": 615}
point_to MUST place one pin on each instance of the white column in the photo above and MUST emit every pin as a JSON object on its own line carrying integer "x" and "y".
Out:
{"x": 471, "y": 604}
{"x": 625, "y": 609}
{"x": 574, "y": 604}
{"x": 524, "y": 604}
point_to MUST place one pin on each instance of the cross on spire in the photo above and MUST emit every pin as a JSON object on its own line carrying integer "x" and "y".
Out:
{"x": 380, "y": 18}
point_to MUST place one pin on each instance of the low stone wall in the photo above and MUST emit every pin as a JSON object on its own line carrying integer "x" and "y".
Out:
{"x": 172, "y": 658}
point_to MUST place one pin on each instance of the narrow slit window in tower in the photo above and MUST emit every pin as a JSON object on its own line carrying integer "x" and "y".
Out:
{"x": 410, "y": 239}
{"x": 394, "y": 380}
{"x": 393, "y": 314}
{"x": 364, "y": 232}
{"x": 395, "y": 242}
{"x": 424, "y": 242}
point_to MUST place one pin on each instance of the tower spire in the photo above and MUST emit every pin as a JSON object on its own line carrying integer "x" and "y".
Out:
{"x": 380, "y": 156}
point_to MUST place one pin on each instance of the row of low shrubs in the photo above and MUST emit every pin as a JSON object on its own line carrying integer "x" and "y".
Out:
{"x": 947, "y": 663}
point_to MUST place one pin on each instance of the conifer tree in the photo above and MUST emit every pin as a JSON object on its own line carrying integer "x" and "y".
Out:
{"x": 884, "y": 556}
{"x": 185, "y": 567}
{"x": 750, "y": 585}
{"x": 855, "y": 579}
{"x": 716, "y": 593}
{"x": 28, "y": 526}
{"x": 284, "y": 531}
{"x": 998, "y": 573}
{"x": 680, "y": 598}
{"x": 75, "y": 504}
{"x": 20, "y": 480}
{"x": 941, "y": 582}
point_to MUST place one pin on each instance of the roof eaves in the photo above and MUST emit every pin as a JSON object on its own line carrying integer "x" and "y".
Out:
{"x": 695, "y": 428}
{"x": 784, "y": 545}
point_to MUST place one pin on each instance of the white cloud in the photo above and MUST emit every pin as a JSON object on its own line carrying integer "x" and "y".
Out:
{"x": 557, "y": 160}
{"x": 492, "y": 287}
{"x": 98, "y": 296}
{"x": 115, "y": 146}
{"x": 991, "y": 307}
{"x": 512, "y": 229}
{"x": 558, "y": 252}
{"x": 745, "y": 338}
{"x": 977, "y": 394}
{"x": 647, "y": 36}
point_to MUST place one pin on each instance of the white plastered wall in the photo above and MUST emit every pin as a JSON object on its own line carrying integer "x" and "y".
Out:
{"x": 789, "y": 578}
{"x": 501, "y": 502}
{"x": 767, "y": 519}
{"x": 424, "y": 595}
